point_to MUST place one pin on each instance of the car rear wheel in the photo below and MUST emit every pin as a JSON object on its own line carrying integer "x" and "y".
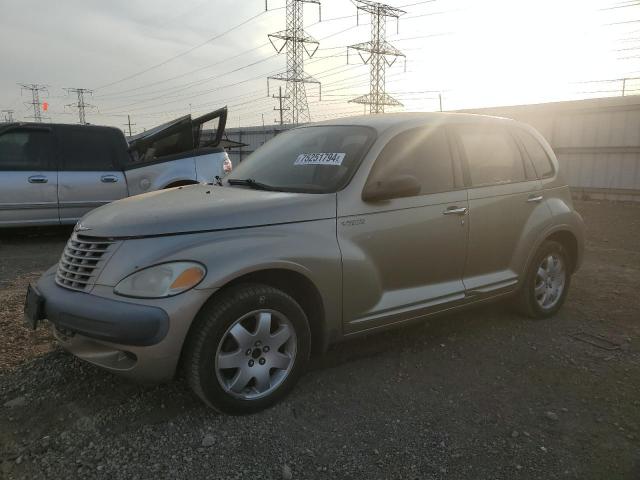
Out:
{"x": 247, "y": 348}
{"x": 547, "y": 282}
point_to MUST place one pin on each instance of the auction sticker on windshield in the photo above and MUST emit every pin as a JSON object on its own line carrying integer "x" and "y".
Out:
{"x": 320, "y": 159}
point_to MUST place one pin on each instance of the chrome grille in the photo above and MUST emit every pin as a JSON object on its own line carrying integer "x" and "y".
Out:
{"x": 82, "y": 260}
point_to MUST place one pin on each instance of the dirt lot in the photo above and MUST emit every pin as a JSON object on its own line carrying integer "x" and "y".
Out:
{"x": 483, "y": 394}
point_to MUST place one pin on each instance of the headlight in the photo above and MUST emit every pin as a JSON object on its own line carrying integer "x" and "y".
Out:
{"x": 164, "y": 280}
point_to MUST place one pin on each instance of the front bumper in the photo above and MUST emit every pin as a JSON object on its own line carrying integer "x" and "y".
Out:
{"x": 140, "y": 339}
{"x": 101, "y": 318}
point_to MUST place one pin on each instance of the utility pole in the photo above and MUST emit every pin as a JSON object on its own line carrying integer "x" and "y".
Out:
{"x": 440, "y": 100}
{"x": 379, "y": 51}
{"x": 8, "y": 115}
{"x": 281, "y": 108}
{"x": 80, "y": 104}
{"x": 624, "y": 86}
{"x": 35, "y": 90}
{"x": 264, "y": 131}
{"x": 297, "y": 43}
{"x": 129, "y": 125}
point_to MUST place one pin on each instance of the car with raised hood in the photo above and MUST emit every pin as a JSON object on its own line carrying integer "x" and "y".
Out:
{"x": 326, "y": 232}
{"x": 52, "y": 174}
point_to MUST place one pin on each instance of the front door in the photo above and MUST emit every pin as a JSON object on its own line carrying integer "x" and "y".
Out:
{"x": 90, "y": 172}
{"x": 504, "y": 204}
{"x": 404, "y": 257}
{"x": 28, "y": 177}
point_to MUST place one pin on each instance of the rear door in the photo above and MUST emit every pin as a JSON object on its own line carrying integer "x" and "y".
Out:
{"x": 404, "y": 257}
{"x": 90, "y": 169}
{"x": 504, "y": 205}
{"x": 28, "y": 177}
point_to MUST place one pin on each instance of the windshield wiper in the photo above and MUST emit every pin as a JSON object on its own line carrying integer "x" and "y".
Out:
{"x": 250, "y": 182}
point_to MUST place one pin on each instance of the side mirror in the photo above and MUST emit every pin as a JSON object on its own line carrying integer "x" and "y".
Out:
{"x": 393, "y": 187}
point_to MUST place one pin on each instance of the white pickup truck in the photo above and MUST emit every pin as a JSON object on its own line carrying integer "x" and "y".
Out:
{"x": 53, "y": 174}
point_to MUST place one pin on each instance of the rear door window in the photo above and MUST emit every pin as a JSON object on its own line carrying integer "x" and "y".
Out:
{"x": 493, "y": 157}
{"x": 26, "y": 150}
{"x": 423, "y": 153}
{"x": 537, "y": 154}
{"x": 88, "y": 148}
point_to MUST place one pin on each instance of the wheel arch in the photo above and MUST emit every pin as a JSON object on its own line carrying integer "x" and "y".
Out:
{"x": 563, "y": 234}
{"x": 294, "y": 284}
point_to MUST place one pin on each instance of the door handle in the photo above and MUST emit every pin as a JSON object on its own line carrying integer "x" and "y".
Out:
{"x": 535, "y": 198}
{"x": 38, "y": 179}
{"x": 108, "y": 179}
{"x": 455, "y": 211}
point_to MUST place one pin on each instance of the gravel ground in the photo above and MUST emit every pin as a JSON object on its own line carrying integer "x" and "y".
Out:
{"x": 482, "y": 394}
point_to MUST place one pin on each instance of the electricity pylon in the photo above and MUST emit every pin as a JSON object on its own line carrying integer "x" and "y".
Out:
{"x": 8, "y": 115}
{"x": 81, "y": 105}
{"x": 35, "y": 90}
{"x": 297, "y": 43}
{"x": 381, "y": 54}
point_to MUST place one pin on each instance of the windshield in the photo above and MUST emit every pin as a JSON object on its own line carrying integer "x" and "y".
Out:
{"x": 318, "y": 159}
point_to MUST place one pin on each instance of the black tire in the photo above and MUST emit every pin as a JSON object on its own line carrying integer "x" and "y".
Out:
{"x": 211, "y": 325}
{"x": 526, "y": 301}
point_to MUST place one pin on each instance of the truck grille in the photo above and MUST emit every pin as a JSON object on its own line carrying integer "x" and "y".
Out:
{"x": 82, "y": 261}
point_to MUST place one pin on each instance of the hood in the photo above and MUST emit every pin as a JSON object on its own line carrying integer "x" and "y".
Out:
{"x": 198, "y": 208}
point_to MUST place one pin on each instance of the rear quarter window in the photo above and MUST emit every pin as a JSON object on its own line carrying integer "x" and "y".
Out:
{"x": 537, "y": 154}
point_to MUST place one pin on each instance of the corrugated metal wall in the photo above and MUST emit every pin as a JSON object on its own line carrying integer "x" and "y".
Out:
{"x": 597, "y": 142}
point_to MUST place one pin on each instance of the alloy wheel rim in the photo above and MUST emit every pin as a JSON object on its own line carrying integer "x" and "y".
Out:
{"x": 256, "y": 354}
{"x": 550, "y": 281}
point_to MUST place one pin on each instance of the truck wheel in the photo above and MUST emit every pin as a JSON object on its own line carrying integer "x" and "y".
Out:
{"x": 247, "y": 348}
{"x": 546, "y": 283}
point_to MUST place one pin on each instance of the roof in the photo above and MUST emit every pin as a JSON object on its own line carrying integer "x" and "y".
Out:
{"x": 43, "y": 124}
{"x": 385, "y": 121}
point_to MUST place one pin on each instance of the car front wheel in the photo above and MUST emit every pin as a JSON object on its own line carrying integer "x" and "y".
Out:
{"x": 247, "y": 348}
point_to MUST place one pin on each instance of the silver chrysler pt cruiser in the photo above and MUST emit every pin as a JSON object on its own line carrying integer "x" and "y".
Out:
{"x": 326, "y": 232}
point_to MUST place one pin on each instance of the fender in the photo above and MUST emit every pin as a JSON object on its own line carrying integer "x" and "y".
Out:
{"x": 563, "y": 227}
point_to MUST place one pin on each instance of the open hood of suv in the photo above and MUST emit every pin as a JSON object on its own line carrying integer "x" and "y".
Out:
{"x": 197, "y": 208}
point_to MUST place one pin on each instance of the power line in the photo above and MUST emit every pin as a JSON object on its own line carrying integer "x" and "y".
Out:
{"x": 379, "y": 50}
{"x": 141, "y": 87}
{"x": 162, "y": 93}
{"x": 170, "y": 59}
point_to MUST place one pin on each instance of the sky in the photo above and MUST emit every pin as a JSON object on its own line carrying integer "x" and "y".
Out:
{"x": 158, "y": 63}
